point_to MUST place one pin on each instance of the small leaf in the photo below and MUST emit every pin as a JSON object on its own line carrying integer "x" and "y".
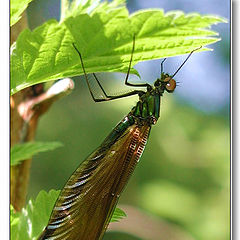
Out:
{"x": 14, "y": 216}
{"x": 34, "y": 217}
{"x": 118, "y": 214}
{"x": 17, "y": 7}
{"x": 31, "y": 221}
{"x": 25, "y": 151}
{"x": 14, "y": 221}
{"x": 47, "y": 53}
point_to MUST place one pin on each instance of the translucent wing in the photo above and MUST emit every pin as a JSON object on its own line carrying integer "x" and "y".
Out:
{"x": 86, "y": 203}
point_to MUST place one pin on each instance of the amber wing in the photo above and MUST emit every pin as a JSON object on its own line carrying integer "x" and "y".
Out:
{"x": 86, "y": 203}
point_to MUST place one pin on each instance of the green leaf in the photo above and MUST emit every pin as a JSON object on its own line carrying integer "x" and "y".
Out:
{"x": 17, "y": 7}
{"x": 34, "y": 217}
{"x": 30, "y": 222}
{"x": 118, "y": 214}
{"x": 90, "y": 6}
{"x": 14, "y": 221}
{"x": 14, "y": 217}
{"x": 25, "y": 151}
{"x": 104, "y": 37}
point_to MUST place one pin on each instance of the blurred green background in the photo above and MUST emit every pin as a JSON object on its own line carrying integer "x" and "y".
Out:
{"x": 182, "y": 181}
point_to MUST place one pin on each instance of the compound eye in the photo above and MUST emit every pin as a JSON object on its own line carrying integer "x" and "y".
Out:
{"x": 166, "y": 79}
{"x": 171, "y": 85}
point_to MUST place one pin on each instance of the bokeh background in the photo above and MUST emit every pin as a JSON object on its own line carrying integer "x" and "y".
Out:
{"x": 181, "y": 186}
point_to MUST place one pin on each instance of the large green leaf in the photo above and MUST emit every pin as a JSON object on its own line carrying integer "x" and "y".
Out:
{"x": 16, "y": 9}
{"x": 30, "y": 222}
{"x": 105, "y": 38}
{"x": 25, "y": 151}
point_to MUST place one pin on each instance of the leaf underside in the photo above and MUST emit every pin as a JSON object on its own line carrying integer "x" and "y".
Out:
{"x": 104, "y": 37}
{"x": 25, "y": 151}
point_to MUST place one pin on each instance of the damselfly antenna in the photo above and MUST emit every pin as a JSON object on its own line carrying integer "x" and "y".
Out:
{"x": 162, "y": 65}
{"x": 181, "y": 64}
{"x": 185, "y": 61}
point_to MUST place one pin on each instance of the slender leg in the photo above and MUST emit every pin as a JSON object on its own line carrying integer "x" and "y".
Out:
{"x": 85, "y": 74}
{"x": 99, "y": 84}
{"x": 108, "y": 98}
{"x": 111, "y": 97}
{"x": 129, "y": 68}
{"x": 126, "y": 82}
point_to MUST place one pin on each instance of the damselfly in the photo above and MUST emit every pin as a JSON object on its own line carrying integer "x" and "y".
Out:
{"x": 86, "y": 203}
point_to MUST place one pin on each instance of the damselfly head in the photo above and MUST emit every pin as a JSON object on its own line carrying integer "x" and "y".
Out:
{"x": 166, "y": 82}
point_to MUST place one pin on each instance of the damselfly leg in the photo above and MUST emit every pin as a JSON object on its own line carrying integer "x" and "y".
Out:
{"x": 131, "y": 93}
{"x": 107, "y": 96}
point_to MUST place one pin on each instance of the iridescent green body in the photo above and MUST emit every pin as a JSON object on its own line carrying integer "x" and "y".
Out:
{"x": 148, "y": 106}
{"x": 86, "y": 203}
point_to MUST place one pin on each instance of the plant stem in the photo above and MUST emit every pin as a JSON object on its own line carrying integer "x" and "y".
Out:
{"x": 19, "y": 174}
{"x": 23, "y": 129}
{"x": 26, "y": 108}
